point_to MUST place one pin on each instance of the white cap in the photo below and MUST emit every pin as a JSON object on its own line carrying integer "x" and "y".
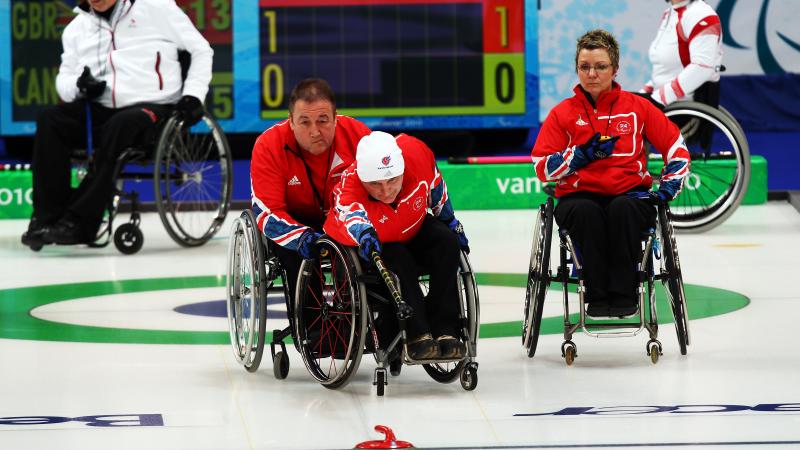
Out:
{"x": 378, "y": 157}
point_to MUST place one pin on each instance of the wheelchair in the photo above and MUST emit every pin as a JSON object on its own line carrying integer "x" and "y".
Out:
{"x": 192, "y": 174}
{"x": 720, "y": 158}
{"x": 659, "y": 262}
{"x": 341, "y": 308}
{"x": 253, "y": 270}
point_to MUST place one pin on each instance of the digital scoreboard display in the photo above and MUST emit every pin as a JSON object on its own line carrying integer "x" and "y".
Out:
{"x": 394, "y": 64}
{"x": 33, "y": 50}
{"x": 397, "y": 58}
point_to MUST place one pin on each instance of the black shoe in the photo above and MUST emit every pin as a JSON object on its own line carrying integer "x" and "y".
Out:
{"x": 423, "y": 347}
{"x": 450, "y": 347}
{"x": 66, "y": 232}
{"x": 35, "y": 236}
{"x": 624, "y": 308}
{"x": 598, "y": 309}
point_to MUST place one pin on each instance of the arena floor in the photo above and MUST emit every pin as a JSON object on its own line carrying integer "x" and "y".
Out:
{"x": 100, "y": 350}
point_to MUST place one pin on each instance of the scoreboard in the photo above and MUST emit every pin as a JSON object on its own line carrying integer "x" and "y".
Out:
{"x": 30, "y": 53}
{"x": 394, "y": 64}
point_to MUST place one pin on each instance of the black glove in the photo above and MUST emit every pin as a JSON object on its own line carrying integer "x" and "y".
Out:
{"x": 89, "y": 86}
{"x": 190, "y": 109}
{"x": 654, "y": 197}
{"x": 368, "y": 243}
{"x": 456, "y": 227}
{"x": 597, "y": 147}
{"x": 306, "y": 247}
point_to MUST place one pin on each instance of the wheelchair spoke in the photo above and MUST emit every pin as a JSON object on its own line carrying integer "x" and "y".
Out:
{"x": 720, "y": 166}
{"x": 316, "y": 319}
{"x": 331, "y": 345}
{"x": 208, "y": 144}
{"x": 339, "y": 335}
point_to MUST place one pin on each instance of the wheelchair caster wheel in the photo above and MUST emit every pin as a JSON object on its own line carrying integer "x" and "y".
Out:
{"x": 654, "y": 350}
{"x": 128, "y": 238}
{"x": 380, "y": 381}
{"x": 469, "y": 377}
{"x": 569, "y": 352}
{"x": 280, "y": 365}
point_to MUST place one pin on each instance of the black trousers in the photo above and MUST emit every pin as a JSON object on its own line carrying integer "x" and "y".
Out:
{"x": 435, "y": 251}
{"x": 608, "y": 234}
{"x": 62, "y": 128}
{"x": 290, "y": 261}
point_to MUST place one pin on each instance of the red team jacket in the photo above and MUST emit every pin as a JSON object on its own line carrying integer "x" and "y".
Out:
{"x": 284, "y": 202}
{"x": 618, "y": 113}
{"x": 423, "y": 188}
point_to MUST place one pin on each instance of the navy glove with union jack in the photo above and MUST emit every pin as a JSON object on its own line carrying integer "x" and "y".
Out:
{"x": 307, "y": 245}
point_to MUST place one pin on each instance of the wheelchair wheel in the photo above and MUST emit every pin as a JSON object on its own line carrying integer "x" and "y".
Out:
{"x": 246, "y": 291}
{"x": 331, "y": 314}
{"x": 468, "y": 292}
{"x": 128, "y": 238}
{"x": 720, "y": 171}
{"x": 674, "y": 279}
{"x": 193, "y": 176}
{"x": 470, "y": 319}
{"x": 538, "y": 277}
{"x": 445, "y": 372}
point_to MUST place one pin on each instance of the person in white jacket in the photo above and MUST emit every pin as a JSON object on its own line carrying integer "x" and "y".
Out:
{"x": 686, "y": 54}
{"x": 120, "y": 76}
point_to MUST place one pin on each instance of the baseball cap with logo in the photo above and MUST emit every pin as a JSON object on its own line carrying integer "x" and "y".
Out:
{"x": 378, "y": 157}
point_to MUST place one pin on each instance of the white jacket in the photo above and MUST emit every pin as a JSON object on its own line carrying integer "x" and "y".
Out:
{"x": 136, "y": 53}
{"x": 686, "y": 52}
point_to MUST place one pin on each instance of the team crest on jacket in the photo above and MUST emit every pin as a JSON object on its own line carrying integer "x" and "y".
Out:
{"x": 580, "y": 122}
{"x": 624, "y": 127}
{"x": 417, "y": 204}
{"x": 386, "y": 160}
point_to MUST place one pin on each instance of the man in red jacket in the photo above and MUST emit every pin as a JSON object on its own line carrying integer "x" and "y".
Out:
{"x": 381, "y": 205}
{"x": 592, "y": 146}
{"x": 295, "y": 166}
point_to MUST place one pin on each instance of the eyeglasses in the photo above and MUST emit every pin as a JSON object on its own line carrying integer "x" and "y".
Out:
{"x": 598, "y": 68}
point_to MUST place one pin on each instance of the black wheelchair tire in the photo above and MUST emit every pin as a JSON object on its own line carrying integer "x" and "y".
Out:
{"x": 538, "y": 280}
{"x": 166, "y": 166}
{"x": 674, "y": 280}
{"x": 688, "y": 216}
{"x": 332, "y": 254}
{"x": 257, "y": 269}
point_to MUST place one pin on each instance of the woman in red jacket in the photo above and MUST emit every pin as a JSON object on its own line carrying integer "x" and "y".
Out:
{"x": 592, "y": 146}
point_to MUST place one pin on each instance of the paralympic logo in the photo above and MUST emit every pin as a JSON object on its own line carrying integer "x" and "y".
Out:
{"x": 670, "y": 409}
{"x": 766, "y": 57}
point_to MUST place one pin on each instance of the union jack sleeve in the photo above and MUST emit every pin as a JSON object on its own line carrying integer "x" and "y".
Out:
{"x": 676, "y": 168}
{"x": 559, "y": 164}
{"x": 350, "y": 212}
{"x": 276, "y": 228}
{"x": 439, "y": 200}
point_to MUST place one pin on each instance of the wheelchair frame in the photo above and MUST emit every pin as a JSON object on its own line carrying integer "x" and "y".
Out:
{"x": 180, "y": 182}
{"x": 346, "y": 309}
{"x": 539, "y": 278}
